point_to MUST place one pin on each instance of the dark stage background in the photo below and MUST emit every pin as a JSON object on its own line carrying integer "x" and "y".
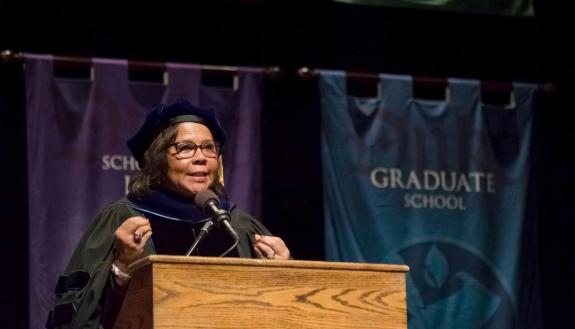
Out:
{"x": 293, "y": 34}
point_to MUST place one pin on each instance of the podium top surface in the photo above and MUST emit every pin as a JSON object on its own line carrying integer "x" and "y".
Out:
{"x": 228, "y": 261}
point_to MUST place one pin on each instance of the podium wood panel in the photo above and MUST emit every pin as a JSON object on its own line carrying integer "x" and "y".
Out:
{"x": 202, "y": 292}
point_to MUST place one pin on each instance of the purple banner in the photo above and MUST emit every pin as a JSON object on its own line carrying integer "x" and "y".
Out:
{"x": 77, "y": 155}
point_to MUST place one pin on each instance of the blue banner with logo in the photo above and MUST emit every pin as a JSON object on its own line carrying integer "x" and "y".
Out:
{"x": 442, "y": 186}
{"x": 78, "y": 160}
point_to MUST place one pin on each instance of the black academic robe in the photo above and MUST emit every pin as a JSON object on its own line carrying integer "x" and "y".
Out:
{"x": 85, "y": 291}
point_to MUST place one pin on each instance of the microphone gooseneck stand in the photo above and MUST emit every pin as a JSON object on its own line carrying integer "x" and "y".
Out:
{"x": 209, "y": 202}
{"x": 203, "y": 232}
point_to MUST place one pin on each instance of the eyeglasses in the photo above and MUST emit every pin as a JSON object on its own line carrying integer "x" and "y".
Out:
{"x": 186, "y": 150}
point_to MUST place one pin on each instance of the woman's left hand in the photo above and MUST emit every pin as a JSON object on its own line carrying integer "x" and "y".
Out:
{"x": 271, "y": 247}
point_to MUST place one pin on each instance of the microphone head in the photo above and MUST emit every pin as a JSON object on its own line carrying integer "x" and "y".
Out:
{"x": 203, "y": 197}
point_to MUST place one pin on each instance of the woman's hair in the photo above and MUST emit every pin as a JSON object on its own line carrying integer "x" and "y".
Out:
{"x": 155, "y": 166}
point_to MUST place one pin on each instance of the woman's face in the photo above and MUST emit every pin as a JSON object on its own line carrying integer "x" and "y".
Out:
{"x": 189, "y": 176}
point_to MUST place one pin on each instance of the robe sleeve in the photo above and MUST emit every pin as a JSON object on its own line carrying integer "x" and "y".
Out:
{"x": 247, "y": 227}
{"x": 82, "y": 288}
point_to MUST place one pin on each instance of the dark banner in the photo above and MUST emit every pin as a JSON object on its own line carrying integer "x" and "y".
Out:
{"x": 78, "y": 160}
{"x": 442, "y": 186}
{"x": 489, "y": 7}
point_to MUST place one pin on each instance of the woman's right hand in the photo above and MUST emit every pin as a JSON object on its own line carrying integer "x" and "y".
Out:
{"x": 130, "y": 239}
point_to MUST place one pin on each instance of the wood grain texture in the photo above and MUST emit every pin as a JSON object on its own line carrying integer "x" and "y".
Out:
{"x": 194, "y": 292}
{"x": 137, "y": 309}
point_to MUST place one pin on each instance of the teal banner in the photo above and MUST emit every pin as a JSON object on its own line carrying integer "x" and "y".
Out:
{"x": 489, "y": 7}
{"x": 442, "y": 186}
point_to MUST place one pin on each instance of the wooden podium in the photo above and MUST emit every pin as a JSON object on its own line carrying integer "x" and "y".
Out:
{"x": 201, "y": 292}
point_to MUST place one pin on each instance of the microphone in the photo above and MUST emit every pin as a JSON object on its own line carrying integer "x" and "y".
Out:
{"x": 203, "y": 232}
{"x": 209, "y": 202}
